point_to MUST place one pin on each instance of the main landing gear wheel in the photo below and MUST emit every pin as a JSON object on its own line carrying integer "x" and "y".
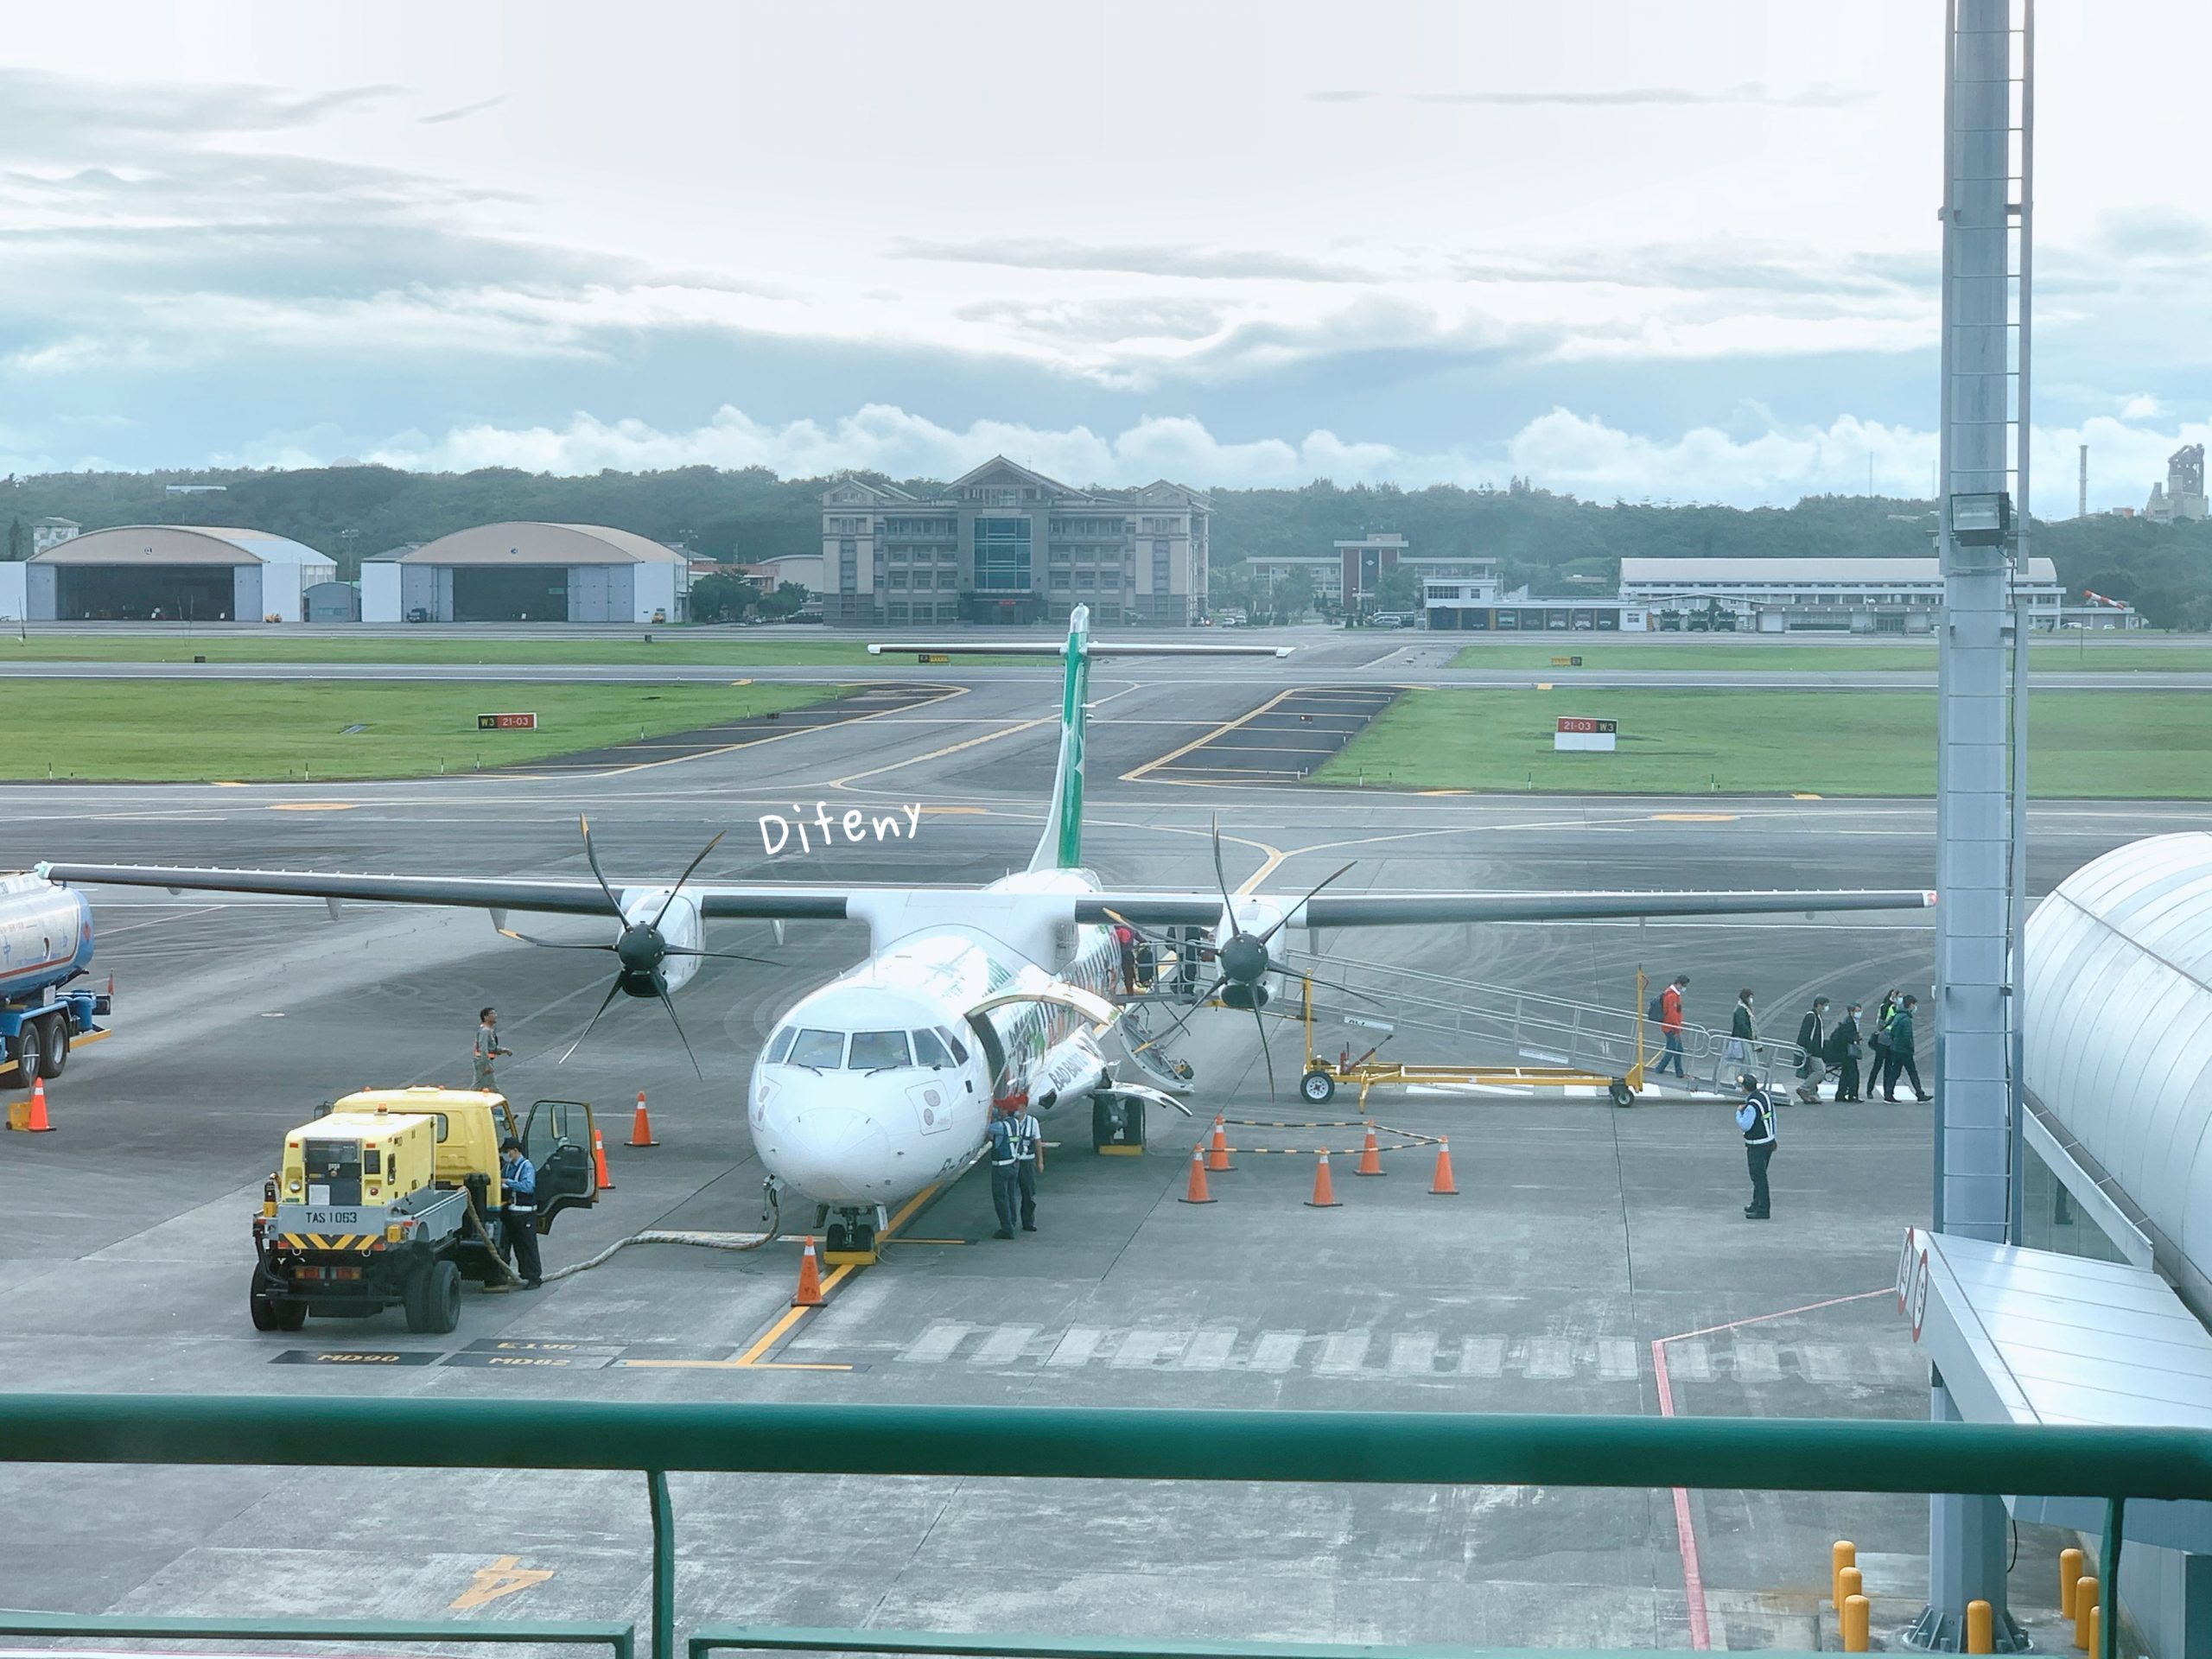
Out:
{"x": 1317, "y": 1087}
{"x": 1117, "y": 1125}
{"x": 28, "y": 1052}
{"x": 1620, "y": 1093}
{"x": 835, "y": 1238}
{"x": 57, "y": 1046}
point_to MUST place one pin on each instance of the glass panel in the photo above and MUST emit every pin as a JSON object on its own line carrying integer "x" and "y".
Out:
{"x": 823, "y": 1050}
{"x": 928, "y": 1051}
{"x": 1002, "y": 554}
{"x": 780, "y": 1045}
{"x": 873, "y": 1051}
{"x": 959, "y": 1049}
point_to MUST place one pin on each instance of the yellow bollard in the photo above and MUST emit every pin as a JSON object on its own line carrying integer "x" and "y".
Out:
{"x": 2096, "y": 1631}
{"x": 1854, "y": 1625}
{"x": 1981, "y": 1630}
{"x": 1849, "y": 1583}
{"x": 2085, "y": 1609}
{"x": 1842, "y": 1553}
{"x": 2070, "y": 1569}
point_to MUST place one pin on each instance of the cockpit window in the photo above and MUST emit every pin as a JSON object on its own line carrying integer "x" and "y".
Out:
{"x": 823, "y": 1050}
{"x": 873, "y": 1051}
{"x": 782, "y": 1045}
{"x": 928, "y": 1051}
{"x": 959, "y": 1049}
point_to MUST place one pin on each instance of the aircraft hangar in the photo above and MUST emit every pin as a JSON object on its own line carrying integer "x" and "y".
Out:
{"x": 138, "y": 573}
{"x": 519, "y": 572}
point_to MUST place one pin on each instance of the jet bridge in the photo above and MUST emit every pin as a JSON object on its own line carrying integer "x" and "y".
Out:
{"x": 1495, "y": 1036}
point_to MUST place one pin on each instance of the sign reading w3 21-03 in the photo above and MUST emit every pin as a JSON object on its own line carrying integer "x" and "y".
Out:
{"x": 506, "y": 722}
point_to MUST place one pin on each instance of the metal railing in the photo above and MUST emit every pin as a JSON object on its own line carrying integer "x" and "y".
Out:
{"x": 1427, "y": 1449}
{"x": 1486, "y": 1021}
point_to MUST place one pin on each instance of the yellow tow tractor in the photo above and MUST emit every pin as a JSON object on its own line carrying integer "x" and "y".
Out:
{"x": 390, "y": 1198}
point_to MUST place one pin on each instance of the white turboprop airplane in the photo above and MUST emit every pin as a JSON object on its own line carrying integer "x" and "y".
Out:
{"x": 881, "y": 1082}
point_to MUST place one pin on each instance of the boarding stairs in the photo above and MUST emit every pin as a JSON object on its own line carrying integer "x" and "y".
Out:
{"x": 1507, "y": 1034}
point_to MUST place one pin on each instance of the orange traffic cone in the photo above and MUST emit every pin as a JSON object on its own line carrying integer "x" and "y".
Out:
{"x": 641, "y": 1127}
{"x": 1370, "y": 1156}
{"x": 1196, "y": 1191}
{"x": 1443, "y": 1185}
{"x": 604, "y": 1181}
{"x": 809, "y": 1294}
{"x": 1217, "y": 1153}
{"x": 37, "y": 1123}
{"x": 1324, "y": 1192}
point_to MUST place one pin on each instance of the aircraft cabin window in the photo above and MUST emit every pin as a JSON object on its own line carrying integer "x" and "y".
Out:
{"x": 928, "y": 1051}
{"x": 823, "y": 1050}
{"x": 959, "y": 1049}
{"x": 876, "y": 1050}
{"x": 781, "y": 1045}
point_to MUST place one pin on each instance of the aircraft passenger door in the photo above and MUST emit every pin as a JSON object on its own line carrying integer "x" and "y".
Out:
{"x": 557, "y": 1138}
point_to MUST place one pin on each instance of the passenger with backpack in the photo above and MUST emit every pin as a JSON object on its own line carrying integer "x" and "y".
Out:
{"x": 1667, "y": 1009}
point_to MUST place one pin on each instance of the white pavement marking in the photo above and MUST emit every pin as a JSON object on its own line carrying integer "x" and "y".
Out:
{"x": 1690, "y": 1360}
{"x": 1342, "y": 1352}
{"x": 1209, "y": 1350}
{"x": 1617, "y": 1359}
{"x": 1757, "y": 1361}
{"x": 1482, "y": 1357}
{"x": 935, "y": 1345}
{"x": 1549, "y": 1357}
{"x": 1826, "y": 1362}
{"x": 1277, "y": 1351}
{"x": 1144, "y": 1347}
{"x": 1004, "y": 1345}
{"x": 1413, "y": 1356}
{"x": 1078, "y": 1347}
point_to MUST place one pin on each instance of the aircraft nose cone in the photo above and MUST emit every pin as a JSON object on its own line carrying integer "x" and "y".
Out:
{"x": 831, "y": 1145}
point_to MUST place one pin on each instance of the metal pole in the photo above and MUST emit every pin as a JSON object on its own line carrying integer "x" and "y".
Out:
{"x": 2016, "y": 1013}
{"x": 663, "y": 1643}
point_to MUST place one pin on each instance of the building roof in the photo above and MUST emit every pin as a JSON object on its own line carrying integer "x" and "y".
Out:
{"x": 851, "y": 492}
{"x": 149, "y": 544}
{"x": 1721, "y": 572}
{"x": 55, "y": 523}
{"x": 521, "y": 543}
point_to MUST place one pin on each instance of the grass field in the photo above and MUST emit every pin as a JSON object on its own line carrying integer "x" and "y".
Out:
{"x": 262, "y": 732}
{"x": 760, "y": 650}
{"x": 2178, "y": 654}
{"x": 2099, "y": 744}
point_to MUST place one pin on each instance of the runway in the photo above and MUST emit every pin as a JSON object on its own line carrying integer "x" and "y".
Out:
{"x": 1581, "y": 1235}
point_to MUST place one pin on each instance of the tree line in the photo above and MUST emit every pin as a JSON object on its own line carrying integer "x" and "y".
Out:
{"x": 1540, "y": 538}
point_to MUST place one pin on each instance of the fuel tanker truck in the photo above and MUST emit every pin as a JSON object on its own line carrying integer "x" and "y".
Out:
{"x": 47, "y": 1003}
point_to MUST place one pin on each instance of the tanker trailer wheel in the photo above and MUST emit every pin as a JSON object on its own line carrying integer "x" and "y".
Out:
{"x": 57, "y": 1046}
{"x": 28, "y": 1052}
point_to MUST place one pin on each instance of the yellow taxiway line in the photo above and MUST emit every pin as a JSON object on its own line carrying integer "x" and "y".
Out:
{"x": 751, "y": 1359}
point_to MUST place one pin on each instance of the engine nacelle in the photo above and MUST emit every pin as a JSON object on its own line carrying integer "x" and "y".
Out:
{"x": 681, "y": 929}
{"x": 1070, "y": 1070}
{"x": 1253, "y": 916}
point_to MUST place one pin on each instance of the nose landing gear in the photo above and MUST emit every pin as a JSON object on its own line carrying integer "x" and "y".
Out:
{"x": 850, "y": 1240}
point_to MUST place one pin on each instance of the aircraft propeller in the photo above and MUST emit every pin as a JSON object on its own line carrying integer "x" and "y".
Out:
{"x": 641, "y": 950}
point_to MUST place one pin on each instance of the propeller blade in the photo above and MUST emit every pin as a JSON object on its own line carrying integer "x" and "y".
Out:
{"x": 1283, "y": 920}
{"x": 719, "y": 955}
{"x": 1221, "y": 875}
{"x": 613, "y": 991}
{"x": 551, "y": 945}
{"x": 1261, "y": 1025}
{"x": 686, "y": 876}
{"x": 592, "y": 852}
{"x": 668, "y": 1003}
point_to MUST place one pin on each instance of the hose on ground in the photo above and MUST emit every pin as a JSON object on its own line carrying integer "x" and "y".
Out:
{"x": 735, "y": 1242}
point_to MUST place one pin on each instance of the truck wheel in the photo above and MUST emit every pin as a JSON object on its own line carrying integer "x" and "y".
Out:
{"x": 442, "y": 1298}
{"x": 412, "y": 1299}
{"x": 1319, "y": 1087}
{"x": 28, "y": 1052}
{"x": 56, "y": 1053}
{"x": 270, "y": 1311}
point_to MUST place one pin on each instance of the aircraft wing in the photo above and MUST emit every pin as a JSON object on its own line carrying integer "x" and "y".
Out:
{"x": 791, "y": 904}
{"x": 1415, "y": 909}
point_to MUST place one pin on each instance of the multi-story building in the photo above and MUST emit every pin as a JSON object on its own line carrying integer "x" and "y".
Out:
{"x": 2182, "y": 496}
{"x": 52, "y": 532}
{"x": 1350, "y": 576}
{"x": 1827, "y": 596}
{"x": 1006, "y": 544}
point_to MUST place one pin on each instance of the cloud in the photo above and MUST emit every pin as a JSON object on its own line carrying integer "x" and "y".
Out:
{"x": 2141, "y": 407}
{"x": 1818, "y": 96}
{"x": 463, "y": 112}
{"x": 1156, "y": 259}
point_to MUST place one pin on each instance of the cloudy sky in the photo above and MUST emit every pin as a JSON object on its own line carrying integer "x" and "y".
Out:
{"x": 1685, "y": 251}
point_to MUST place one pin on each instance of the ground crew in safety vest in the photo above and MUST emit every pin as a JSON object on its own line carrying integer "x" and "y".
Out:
{"x": 1028, "y": 1163}
{"x": 519, "y": 1187}
{"x": 1755, "y": 1117}
{"x": 1003, "y": 1152}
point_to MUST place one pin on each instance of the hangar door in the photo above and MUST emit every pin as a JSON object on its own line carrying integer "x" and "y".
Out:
{"x": 502, "y": 592}
{"x": 154, "y": 592}
{"x": 600, "y": 593}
